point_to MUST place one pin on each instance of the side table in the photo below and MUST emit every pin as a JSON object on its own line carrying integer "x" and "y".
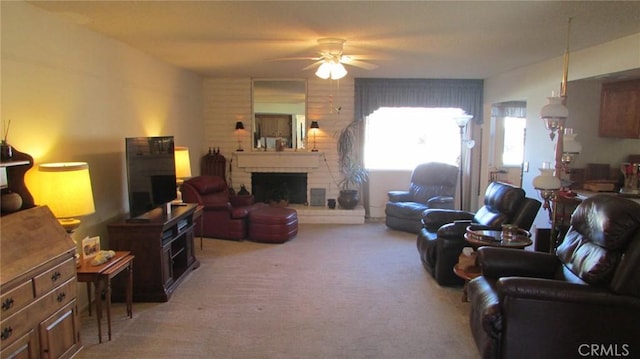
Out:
{"x": 101, "y": 277}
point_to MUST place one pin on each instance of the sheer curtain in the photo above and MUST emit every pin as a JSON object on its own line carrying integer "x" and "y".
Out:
{"x": 371, "y": 94}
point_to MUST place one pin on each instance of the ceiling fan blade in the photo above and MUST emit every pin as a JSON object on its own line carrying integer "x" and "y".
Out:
{"x": 296, "y": 58}
{"x": 361, "y": 64}
{"x": 313, "y": 65}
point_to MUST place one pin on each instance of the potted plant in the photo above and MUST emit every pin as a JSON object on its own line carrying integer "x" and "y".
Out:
{"x": 353, "y": 174}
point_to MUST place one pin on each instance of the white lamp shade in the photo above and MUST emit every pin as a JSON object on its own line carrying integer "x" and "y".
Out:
{"x": 324, "y": 71}
{"x": 546, "y": 180}
{"x": 183, "y": 163}
{"x": 338, "y": 71}
{"x": 65, "y": 188}
{"x": 554, "y": 109}
{"x": 462, "y": 120}
{"x": 570, "y": 144}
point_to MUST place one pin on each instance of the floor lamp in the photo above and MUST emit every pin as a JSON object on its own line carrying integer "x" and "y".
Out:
{"x": 462, "y": 122}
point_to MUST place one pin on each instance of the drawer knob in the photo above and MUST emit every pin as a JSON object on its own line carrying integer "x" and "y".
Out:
{"x": 61, "y": 297}
{"x": 55, "y": 276}
{"x": 6, "y": 333}
{"x": 7, "y": 304}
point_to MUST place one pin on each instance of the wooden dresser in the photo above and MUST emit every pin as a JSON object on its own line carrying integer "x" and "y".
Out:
{"x": 39, "y": 315}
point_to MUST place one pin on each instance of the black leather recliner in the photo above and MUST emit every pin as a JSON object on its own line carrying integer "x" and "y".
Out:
{"x": 583, "y": 301}
{"x": 441, "y": 239}
{"x": 433, "y": 185}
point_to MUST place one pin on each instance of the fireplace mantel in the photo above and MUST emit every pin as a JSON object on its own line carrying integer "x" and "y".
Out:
{"x": 266, "y": 161}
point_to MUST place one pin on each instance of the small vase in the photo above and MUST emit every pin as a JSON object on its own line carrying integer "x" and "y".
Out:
{"x": 11, "y": 202}
{"x": 6, "y": 151}
{"x": 331, "y": 202}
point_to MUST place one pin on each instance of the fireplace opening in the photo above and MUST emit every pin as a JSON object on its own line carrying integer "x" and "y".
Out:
{"x": 266, "y": 186}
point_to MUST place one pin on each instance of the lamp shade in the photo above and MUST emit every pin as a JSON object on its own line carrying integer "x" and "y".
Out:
{"x": 462, "y": 120}
{"x": 314, "y": 124}
{"x": 239, "y": 125}
{"x": 338, "y": 71}
{"x": 324, "y": 71}
{"x": 183, "y": 163}
{"x": 546, "y": 180}
{"x": 66, "y": 189}
{"x": 554, "y": 109}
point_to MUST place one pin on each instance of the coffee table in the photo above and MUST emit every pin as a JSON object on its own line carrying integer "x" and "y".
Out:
{"x": 478, "y": 236}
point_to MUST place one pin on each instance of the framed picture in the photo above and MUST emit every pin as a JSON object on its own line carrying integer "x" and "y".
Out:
{"x": 90, "y": 247}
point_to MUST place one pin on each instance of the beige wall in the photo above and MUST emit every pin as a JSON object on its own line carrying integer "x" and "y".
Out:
{"x": 74, "y": 95}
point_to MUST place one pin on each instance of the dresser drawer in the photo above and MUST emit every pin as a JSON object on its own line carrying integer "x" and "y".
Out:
{"x": 15, "y": 326}
{"x": 54, "y": 277}
{"x": 15, "y": 299}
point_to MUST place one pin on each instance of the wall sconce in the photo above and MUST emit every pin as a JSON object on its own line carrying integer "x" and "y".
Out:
{"x": 66, "y": 189}
{"x": 314, "y": 128}
{"x": 462, "y": 122}
{"x": 239, "y": 129}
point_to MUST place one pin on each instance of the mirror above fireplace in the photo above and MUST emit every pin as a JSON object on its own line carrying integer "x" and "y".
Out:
{"x": 279, "y": 114}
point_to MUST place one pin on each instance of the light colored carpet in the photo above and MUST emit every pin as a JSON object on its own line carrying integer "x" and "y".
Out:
{"x": 334, "y": 291}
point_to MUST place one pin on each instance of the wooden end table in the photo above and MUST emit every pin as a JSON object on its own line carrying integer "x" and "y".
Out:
{"x": 478, "y": 237}
{"x": 101, "y": 277}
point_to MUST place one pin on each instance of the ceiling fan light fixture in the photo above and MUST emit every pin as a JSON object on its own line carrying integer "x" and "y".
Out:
{"x": 331, "y": 69}
{"x": 324, "y": 71}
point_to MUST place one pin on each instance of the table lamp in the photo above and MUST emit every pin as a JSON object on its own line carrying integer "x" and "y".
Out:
{"x": 183, "y": 167}
{"x": 66, "y": 190}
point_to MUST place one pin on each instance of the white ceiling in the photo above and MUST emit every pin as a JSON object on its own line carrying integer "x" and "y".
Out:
{"x": 410, "y": 39}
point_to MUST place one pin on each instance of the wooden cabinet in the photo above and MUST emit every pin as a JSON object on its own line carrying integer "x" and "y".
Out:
{"x": 163, "y": 246}
{"x": 39, "y": 315}
{"x": 620, "y": 109}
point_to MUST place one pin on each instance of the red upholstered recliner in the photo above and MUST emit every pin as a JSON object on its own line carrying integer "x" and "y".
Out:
{"x": 224, "y": 215}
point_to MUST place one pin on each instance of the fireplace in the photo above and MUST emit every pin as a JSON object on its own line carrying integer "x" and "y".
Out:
{"x": 266, "y": 185}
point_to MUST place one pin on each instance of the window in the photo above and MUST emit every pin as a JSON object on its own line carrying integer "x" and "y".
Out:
{"x": 513, "y": 149}
{"x": 400, "y": 138}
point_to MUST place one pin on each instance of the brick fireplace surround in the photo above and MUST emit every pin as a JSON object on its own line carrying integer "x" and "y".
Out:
{"x": 297, "y": 162}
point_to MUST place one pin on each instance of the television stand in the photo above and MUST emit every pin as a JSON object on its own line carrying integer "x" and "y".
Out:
{"x": 163, "y": 246}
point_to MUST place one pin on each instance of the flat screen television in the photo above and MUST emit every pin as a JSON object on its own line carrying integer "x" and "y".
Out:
{"x": 151, "y": 173}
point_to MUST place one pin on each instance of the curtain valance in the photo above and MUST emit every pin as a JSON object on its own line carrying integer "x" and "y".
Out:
{"x": 372, "y": 94}
{"x": 509, "y": 109}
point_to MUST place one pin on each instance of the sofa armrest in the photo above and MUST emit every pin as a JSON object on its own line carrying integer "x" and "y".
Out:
{"x": 503, "y": 262}
{"x": 399, "y": 196}
{"x": 454, "y": 230}
{"x": 485, "y": 305}
{"x": 435, "y": 218}
{"x": 444, "y": 202}
{"x": 562, "y": 291}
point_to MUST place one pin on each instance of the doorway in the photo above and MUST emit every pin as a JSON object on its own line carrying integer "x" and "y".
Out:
{"x": 508, "y": 137}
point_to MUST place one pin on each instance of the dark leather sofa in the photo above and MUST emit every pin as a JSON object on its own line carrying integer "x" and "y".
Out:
{"x": 224, "y": 216}
{"x": 441, "y": 239}
{"x": 582, "y": 302}
{"x": 433, "y": 185}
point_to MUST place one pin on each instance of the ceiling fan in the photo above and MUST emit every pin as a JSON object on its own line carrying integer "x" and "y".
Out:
{"x": 331, "y": 59}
